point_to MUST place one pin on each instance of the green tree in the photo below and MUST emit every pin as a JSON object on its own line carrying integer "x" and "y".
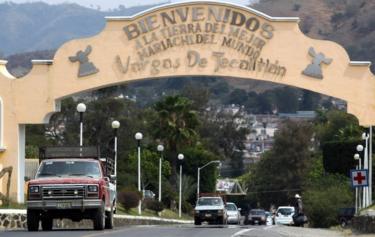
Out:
{"x": 221, "y": 88}
{"x": 286, "y": 99}
{"x": 188, "y": 187}
{"x": 336, "y": 125}
{"x": 198, "y": 95}
{"x": 197, "y": 156}
{"x": 264, "y": 105}
{"x": 310, "y": 100}
{"x": 176, "y": 126}
{"x": 324, "y": 194}
{"x": 338, "y": 133}
{"x": 281, "y": 171}
{"x": 149, "y": 169}
{"x": 222, "y": 135}
{"x": 237, "y": 96}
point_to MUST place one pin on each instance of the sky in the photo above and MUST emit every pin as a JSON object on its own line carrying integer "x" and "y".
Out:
{"x": 110, "y": 4}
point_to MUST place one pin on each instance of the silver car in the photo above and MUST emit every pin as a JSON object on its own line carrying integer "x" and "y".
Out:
{"x": 234, "y": 216}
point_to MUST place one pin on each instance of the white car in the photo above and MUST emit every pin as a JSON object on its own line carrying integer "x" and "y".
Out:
{"x": 234, "y": 216}
{"x": 284, "y": 215}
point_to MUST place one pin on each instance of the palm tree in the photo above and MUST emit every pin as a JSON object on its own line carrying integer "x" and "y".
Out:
{"x": 176, "y": 128}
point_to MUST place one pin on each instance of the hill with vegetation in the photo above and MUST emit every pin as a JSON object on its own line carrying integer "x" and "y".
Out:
{"x": 349, "y": 23}
{"x": 40, "y": 26}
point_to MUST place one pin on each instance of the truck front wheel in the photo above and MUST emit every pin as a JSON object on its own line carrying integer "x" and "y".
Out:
{"x": 47, "y": 223}
{"x": 109, "y": 219}
{"x": 33, "y": 217}
{"x": 99, "y": 219}
{"x": 221, "y": 221}
{"x": 197, "y": 221}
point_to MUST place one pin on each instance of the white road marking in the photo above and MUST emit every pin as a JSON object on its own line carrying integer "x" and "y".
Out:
{"x": 102, "y": 233}
{"x": 239, "y": 233}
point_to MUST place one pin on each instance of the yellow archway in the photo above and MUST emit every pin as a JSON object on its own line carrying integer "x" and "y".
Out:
{"x": 185, "y": 39}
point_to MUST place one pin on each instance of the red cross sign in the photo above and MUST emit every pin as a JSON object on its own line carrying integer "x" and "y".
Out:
{"x": 359, "y": 178}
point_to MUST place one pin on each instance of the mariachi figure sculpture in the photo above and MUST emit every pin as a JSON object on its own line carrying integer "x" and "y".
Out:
{"x": 86, "y": 67}
{"x": 314, "y": 69}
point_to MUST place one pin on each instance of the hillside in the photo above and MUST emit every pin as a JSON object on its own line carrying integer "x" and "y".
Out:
{"x": 40, "y": 26}
{"x": 347, "y": 22}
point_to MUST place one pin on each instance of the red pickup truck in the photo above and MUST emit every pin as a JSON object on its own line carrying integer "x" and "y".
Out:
{"x": 72, "y": 184}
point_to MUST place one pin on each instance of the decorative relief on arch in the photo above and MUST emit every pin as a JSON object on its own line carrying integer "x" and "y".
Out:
{"x": 315, "y": 69}
{"x": 86, "y": 67}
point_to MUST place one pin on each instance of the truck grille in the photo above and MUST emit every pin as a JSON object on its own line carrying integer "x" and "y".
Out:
{"x": 66, "y": 192}
{"x": 212, "y": 212}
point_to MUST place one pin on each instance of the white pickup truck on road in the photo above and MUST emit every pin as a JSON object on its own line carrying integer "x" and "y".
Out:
{"x": 210, "y": 209}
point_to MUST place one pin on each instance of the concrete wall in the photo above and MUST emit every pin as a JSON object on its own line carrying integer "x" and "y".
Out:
{"x": 364, "y": 224}
{"x": 16, "y": 219}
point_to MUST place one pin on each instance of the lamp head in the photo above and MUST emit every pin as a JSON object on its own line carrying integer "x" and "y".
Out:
{"x": 364, "y": 136}
{"x": 359, "y": 148}
{"x": 180, "y": 157}
{"x": 115, "y": 124}
{"x": 81, "y": 107}
{"x": 356, "y": 156}
{"x": 160, "y": 148}
{"x": 138, "y": 136}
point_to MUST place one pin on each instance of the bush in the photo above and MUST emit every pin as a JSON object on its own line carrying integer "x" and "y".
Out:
{"x": 187, "y": 208}
{"x": 169, "y": 195}
{"x": 323, "y": 200}
{"x": 154, "y": 205}
{"x": 129, "y": 199}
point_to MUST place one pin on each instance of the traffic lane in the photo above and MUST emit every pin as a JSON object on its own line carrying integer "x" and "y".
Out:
{"x": 144, "y": 231}
{"x": 183, "y": 231}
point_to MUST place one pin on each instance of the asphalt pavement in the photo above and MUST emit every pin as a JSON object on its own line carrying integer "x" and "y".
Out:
{"x": 180, "y": 231}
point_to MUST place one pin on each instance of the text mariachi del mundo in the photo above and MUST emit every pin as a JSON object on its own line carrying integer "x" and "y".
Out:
{"x": 193, "y": 25}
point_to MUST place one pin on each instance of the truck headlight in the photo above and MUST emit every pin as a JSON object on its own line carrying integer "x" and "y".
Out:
{"x": 92, "y": 188}
{"x": 196, "y": 211}
{"x": 220, "y": 212}
{"x": 34, "y": 189}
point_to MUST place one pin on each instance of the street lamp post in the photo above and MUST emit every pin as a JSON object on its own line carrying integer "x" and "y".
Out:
{"x": 138, "y": 137}
{"x": 357, "y": 199}
{"x": 180, "y": 158}
{"x": 199, "y": 174}
{"x": 370, "y": 164}
{"x": 81, "y": 108}
{"x": 363, "y": 204}
{"x": 365, "y": 137}
{"x": 115, "y": 126}
{"x": 160, "y": 149}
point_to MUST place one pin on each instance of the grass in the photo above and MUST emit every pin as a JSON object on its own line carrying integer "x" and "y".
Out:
{"x": 166, "y": 213}
{"x": 13, "y": 206}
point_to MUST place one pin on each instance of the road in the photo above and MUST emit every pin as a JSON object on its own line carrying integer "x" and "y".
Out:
{"x": 182, "y": 231}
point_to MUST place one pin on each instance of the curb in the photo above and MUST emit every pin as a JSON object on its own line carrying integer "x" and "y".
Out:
{"x": 16, "y": 218}
{"x": 151, "y": 218}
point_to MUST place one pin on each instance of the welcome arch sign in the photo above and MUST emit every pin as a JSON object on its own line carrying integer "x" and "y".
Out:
{"x": 186, "y": 39}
